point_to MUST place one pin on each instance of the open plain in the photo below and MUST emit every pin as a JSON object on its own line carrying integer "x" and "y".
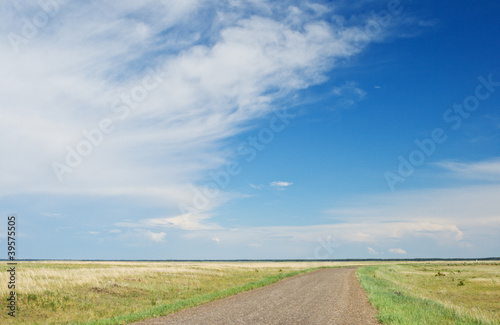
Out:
{"x": 403, "y": 292}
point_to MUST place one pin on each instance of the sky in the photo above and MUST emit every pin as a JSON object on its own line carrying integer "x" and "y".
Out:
{"x": 250, "y": 129}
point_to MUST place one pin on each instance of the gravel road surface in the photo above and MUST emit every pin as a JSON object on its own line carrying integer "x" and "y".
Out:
{"x": 326, "y": 296}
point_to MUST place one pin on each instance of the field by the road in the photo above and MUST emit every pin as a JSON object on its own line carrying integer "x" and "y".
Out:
{"x": 121, "y": 292}
{"x": 435, "y": 293}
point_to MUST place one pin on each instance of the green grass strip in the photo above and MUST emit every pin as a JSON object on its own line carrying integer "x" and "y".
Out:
{"x": 398, "y": 306}
{"x": 167, "y": 309}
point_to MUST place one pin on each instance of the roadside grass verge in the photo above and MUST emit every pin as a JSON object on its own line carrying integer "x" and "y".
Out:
{"x": 452, "y": 293}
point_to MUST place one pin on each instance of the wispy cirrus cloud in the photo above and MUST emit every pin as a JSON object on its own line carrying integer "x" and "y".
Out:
{"x": 482, "y": 170}
{"x": 186, "y": 221}
{"x": 347, "y": 95}
{"x": 217, "y": 67}
{"x": 142, "y": 237}
{"x": 218, "y": 74}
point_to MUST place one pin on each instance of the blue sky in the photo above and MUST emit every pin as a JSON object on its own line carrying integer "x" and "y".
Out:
{"x": 251, "y": 129}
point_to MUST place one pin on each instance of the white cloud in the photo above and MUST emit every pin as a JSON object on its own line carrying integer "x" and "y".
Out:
{"x": 157, "y": 237}
{"x": 142, "y": 237}
{"x": 280, "y": 185}
{"x": 345, "y": 233}
{"x": 349, "y": 89}
{"x": 187, "y": 221}
{"x": 347, "y": 96}
{"x": 397, "y": 251}
{"x": 372, "y": 251}
{"x": 216, "y": 239}
{"x": 482, "y": 170}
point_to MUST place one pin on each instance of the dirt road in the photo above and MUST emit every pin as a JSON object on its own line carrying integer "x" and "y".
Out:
{"x": 326, "y": 296}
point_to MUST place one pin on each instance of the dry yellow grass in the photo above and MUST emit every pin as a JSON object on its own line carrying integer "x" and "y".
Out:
{"x": 36, "y": 277}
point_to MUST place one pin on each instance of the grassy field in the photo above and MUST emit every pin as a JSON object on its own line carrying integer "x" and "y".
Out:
{"x": 121, "y": 292}
{"x": 435, "y": 293}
